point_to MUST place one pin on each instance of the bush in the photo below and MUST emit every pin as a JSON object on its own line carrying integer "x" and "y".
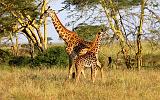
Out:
{"x": 53, "y": 56}
{"x": 20, "y": 61}
{"x": 4, "y": 56}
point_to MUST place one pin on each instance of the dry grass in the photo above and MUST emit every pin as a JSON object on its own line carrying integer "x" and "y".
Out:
{"x": 50, "y": 84}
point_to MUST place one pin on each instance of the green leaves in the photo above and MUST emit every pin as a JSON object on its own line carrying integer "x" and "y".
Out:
{"x": 88, "y": 32}
{"x": 80, "y": 4}
{"x": 7, "y": 20}
{"x": 53, "y": 56}
{"x": 127, "y": 3}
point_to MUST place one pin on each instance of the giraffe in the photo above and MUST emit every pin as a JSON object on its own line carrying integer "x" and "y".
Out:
{"x": 75, "y": 45}
{"x": 89, "y": 59}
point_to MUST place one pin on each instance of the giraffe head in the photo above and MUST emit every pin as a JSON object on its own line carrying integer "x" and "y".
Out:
{"x": 100, "y": 35}
{"x": 103, "y": 34}
{"x": 49, "y": 12}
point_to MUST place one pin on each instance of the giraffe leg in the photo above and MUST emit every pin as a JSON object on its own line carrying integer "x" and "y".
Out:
{"x": 102, "y": 73}
{"x": 83, "y": 73}
{"x": 96, "y": 71}
{"x": 70, "y": 68}
{"x": 78, "y": 73}
{"x": 98, "y": 63}
{"x": 100, "y": 66}
{"x": 92, "y": 74}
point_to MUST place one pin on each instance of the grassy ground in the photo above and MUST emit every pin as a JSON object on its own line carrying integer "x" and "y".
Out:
{"x": 50, "y": 84}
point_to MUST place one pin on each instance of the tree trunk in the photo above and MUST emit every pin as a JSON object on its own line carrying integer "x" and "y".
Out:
{"x": 31, "y": 45}
{"x": 139, "y": 45}
{"x": 117, "y": 31}
{"x": 45, "y": 25}
{"x": 32, "y": 29}
{"x": 17, "y": 45}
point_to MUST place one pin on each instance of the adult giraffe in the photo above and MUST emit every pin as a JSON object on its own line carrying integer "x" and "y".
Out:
{"x": 75, "y": 45}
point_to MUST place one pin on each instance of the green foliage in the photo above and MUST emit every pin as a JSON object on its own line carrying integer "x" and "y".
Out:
{"x": 23, "y": 6}
{"x": 4, "y": 56}
{"x": 88, "y": 32}
{"x": 80, "y": 4}
{"x": 53, "y": 56}
{"x": 127, "y": 3}
{"x": 7, "y": 20}
{"x": 20, "y": 61}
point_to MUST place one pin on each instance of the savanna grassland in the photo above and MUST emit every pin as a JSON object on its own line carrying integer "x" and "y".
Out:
{"x": 50, "y": 84}
{"x": 24, "y": 83}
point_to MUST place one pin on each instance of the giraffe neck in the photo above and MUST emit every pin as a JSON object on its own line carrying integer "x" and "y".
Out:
{"x": 63, "y": 32}
{"x": 96, "y": 44}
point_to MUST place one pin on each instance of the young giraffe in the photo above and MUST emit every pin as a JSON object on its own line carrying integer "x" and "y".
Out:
{"x": 89, "y": 59}
{"x": 75, "y": 45}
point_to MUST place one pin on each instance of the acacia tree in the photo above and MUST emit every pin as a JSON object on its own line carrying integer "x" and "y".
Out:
{"x": 111, "y": 10}
{"x": 27, "y": 15}
{"x": 9, "y": 23}
{"x": 125, "y": 18}
{"x": 88, "y": 32}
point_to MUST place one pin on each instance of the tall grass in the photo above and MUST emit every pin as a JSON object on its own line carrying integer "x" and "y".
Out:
{"x": 51, "y": 84}
{"x": 150, "y": 54}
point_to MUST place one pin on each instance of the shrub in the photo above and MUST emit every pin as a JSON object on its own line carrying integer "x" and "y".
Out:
{"x": 19, "y": 61}
{"x": 53, "y": 56}
{"x": 4, "y": 56}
